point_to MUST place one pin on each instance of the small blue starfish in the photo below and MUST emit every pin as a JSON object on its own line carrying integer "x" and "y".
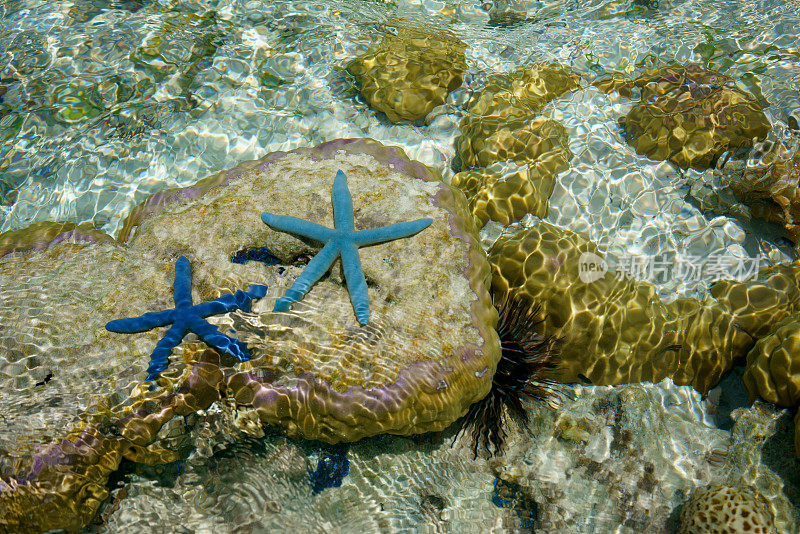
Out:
{"x": 187, "y": 317}
{"x": 342, "y": 240}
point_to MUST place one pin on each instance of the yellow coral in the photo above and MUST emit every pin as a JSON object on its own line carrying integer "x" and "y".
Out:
{"x": 690, "y": 116}
{"x": 772, "y": 189}
{"x": 773, "y": 365}
{"x": 487, "y": 140}
{"x": 410, "y": 73}
{"x": 614, "y": 330}
{"x": 524, "y": 91}
{"x": 506, "y": 199}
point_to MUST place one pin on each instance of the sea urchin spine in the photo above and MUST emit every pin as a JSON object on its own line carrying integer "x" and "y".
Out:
{"x": 526, "y": 357}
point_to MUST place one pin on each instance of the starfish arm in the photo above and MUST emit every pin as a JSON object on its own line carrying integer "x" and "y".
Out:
{"x": 183, "y": 283}
{"x": 143, "y": 323}
{"x": 159, "y": 359}
{"x": 293, "y": 225}
{"x": 390, "y": 232}
{"x": 356, "y": 283}
{"x": 318, "y": 266}
{"x": 342, "y": 202}
{"x": 230, "y": 302}
{"x": 213, "y": 338}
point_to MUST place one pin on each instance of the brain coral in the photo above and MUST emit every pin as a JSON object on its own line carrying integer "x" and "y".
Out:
{"x": 771, "y": 187}
{"x": 723, "y": 509}
{"x": 616, "y": 330}
{"x": 506, "y": 199}
{"x": 690, "y": 116}
{"x": 428, "y": 352}
{"x": 410, "y": 73}
{"x": 773, "y": 369}
{"x": 773, "y": 365}
{"x": 503, "y": 125}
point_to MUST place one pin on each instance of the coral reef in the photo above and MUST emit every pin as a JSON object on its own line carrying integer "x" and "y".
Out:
{"x": 770, "y": 187}
{"x": 506, "y": 198}
{"x": 773, "y": 367}
{"x": 342, "y": 241}
{"x": 719, "y": 508}
{"x": 503, "y": 124}
{"x": 410, "y": 73}
{"x": 523, "y": 92}
{"x": 428, "y": 352}
{"x": 490, "y": 139}
{"x": 615, "y": 330}
{"x": 63, "y": 484}
{"x": 603, "y": 455}
{"x": 689, "y": 115}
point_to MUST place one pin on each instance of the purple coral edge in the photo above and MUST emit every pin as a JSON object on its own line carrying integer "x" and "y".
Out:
{"x": 157, "y": 202}
{"x": 76, "y": 235}
{"x": 427, "y": 374}
{"x": 50, "y": 455}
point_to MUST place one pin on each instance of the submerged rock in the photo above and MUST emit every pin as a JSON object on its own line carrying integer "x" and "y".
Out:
{"x": 770, "y": 187}
{"x": 690, "y": 115}
{"x": 428, "y": 352}
{"x": 615, "y": 330}
{"x": 410, "y": 73}
{"x": 504, "y": 126}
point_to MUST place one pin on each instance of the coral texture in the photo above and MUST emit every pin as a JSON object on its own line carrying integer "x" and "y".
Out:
{"x": 771, "y": 187}
{"x": 506, "y": 198}
{"x": 690, "y": 116}
{"x": 773, "y": 365}
{"x": 722, "y": 509}
{"x": 504, "y": 124}
{"x": 429, "y": 350}
{"x": 410, "y": 73}
{"x": 615, "y": 330}
{"x": 342, "y": 241}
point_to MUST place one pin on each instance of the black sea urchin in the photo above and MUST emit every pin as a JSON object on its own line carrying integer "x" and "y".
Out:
{"x": 525, "y": 357}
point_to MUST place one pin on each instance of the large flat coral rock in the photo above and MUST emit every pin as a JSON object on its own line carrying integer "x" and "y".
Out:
{"x": 427, "y": 353}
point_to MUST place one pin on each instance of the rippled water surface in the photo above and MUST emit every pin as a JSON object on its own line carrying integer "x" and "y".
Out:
{"x": 103, "y": 102}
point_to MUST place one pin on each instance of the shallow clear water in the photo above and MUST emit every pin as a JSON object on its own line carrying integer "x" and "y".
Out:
{"x": 103, "y": 103}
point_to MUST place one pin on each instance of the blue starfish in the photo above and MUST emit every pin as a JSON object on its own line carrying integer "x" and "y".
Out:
{"x": 187, "y": 317}
{"x": 342, "y": 240}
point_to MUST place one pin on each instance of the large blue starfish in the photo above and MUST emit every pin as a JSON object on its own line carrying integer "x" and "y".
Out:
{"x": 342, "y": 240}
{"x": 186, "y": 317}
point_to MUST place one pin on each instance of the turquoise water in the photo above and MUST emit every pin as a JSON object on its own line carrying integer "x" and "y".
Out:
{"x": 104, "y": 103}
